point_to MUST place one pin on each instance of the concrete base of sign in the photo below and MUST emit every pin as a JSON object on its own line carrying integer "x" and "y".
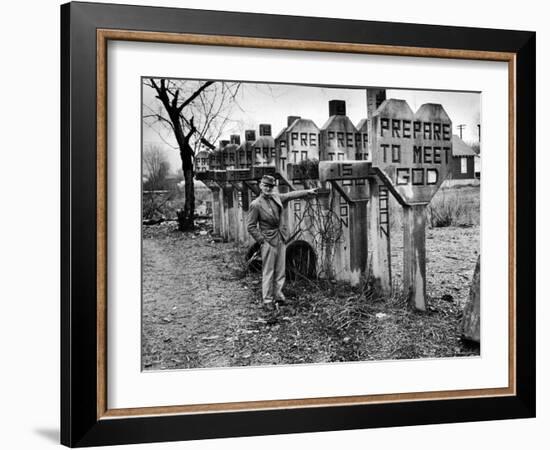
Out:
{"x": 414, "y": 255}
{"x": 345, "y": 242}
{"x": 358, "y": 253}
{"x": 240, "y": 222}
{"x": 243, "y": 207}
{"x": 226, "y": 200}
{"x": 216, "y": 210}
{"x": 232, "y": 213}
{"x": 351, "y": 195}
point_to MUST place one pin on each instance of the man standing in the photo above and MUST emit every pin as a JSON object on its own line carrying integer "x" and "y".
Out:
{"x": 267, "y": 225}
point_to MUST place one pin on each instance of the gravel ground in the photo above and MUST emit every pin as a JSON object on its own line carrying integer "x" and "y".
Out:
{"x": 201, "y": 307}
{"x": 451, "y": 256}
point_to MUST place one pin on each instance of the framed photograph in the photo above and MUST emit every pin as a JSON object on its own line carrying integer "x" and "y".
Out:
{"x": 279, "y": 224}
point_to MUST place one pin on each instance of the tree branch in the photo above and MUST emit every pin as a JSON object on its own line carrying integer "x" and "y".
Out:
{"x": 194, "y": 95}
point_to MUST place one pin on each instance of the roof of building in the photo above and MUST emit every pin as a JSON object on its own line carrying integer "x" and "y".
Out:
{"x": 264, "y": 141}
{"x": 303, "y": 123}
{"x": 460, "y": 148}
{"x": 231, "y": 147}
{"x": 341, "y": 122}
{"x": 363, "y": 126}
{"x": 280, "y": 135}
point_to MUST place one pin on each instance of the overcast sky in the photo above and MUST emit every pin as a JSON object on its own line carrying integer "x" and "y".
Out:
{"x": 272, "y": 103}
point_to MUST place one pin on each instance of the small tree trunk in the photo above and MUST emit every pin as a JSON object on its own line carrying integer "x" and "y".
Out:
{"x": 186, "y": 216}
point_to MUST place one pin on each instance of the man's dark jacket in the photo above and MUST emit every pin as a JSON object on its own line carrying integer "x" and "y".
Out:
{"x": 272, "y": 221}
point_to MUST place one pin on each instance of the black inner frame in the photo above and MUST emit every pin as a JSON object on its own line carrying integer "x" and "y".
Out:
{"x": 79, "y": 424}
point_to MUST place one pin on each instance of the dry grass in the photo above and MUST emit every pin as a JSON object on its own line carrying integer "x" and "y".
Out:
{"x": 454, "y": 207}
{"x": 371, "y": 328}
{"x": 457, "y": 206}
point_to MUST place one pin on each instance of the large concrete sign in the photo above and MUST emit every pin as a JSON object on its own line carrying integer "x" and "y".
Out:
{"x": 413, "y": 152}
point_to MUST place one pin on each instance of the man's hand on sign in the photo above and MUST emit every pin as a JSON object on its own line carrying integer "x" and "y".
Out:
{"x": 312, "y": 191}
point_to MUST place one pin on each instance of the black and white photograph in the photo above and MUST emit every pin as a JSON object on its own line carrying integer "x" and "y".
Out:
{"x": 289, "y": 224}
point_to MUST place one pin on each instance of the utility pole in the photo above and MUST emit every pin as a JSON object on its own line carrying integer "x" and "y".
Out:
{"x": 460, "y": 128}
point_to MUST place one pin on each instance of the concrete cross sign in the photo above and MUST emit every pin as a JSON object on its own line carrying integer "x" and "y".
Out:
{"x": 413, "y": 152}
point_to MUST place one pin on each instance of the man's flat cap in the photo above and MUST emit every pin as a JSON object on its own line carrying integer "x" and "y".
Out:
{"x": 268, "y": 179}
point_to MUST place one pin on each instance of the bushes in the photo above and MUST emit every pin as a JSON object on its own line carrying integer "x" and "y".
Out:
{"x": 454, "y": 207}
{"x": 157, "y": 204}
{"x": 165, "y": 204}
{"x": 444, "y": 212}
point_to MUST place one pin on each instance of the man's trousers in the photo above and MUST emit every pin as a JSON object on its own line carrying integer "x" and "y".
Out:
{"x": 273, "y": 270}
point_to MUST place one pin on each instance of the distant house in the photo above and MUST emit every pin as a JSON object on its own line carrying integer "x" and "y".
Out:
{"x": 463, "y": 162}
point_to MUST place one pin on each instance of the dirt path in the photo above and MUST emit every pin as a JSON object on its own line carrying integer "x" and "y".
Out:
{"x": 193, "y": 306}
{"x": 200, "y": 309}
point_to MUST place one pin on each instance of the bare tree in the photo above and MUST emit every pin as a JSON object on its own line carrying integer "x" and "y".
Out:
{"x": 155, "y": 171}
{"x": 195, "y": 114}
{"x": 156, "y": 168}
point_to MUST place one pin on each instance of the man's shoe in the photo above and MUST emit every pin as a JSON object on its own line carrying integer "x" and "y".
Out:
{"x": 281, "y": 302}
{"x": 269, "y": 306}
{"x": 271, "y": 313}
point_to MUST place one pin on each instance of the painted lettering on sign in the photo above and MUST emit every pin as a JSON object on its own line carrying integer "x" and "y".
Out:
{"x": 383, "y": 210}
{"x": 344, "y": 219}
{"x": 339, "y": 139}
{"x": 412, "y": 151}
{"x": 422, "y": 154}
{"x": 303, "y": 140}
{"x": 407, "y": 129}
{"x": 344, "y": 170}
{"x": 297, "y": 210}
